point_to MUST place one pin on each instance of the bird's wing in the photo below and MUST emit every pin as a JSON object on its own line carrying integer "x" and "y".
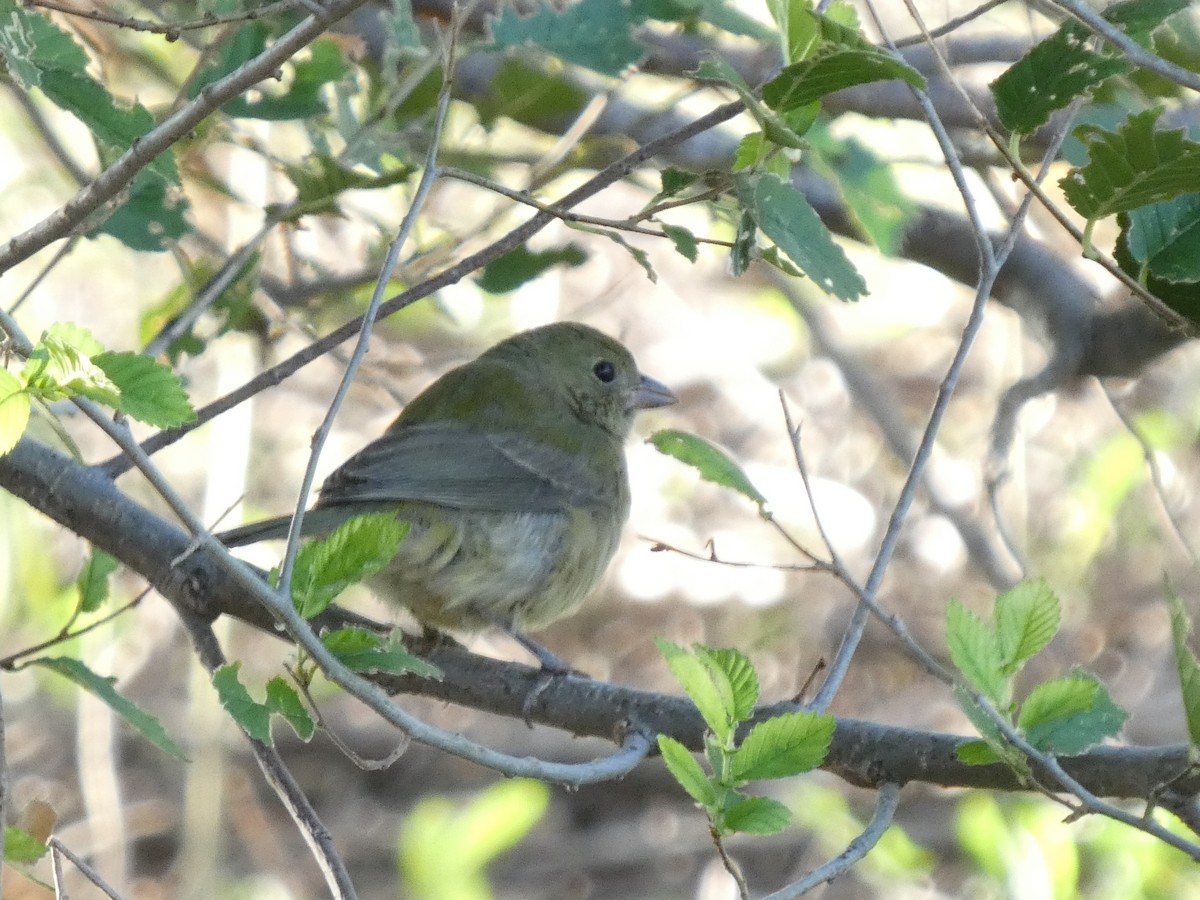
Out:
{"x": 461, "y": 468}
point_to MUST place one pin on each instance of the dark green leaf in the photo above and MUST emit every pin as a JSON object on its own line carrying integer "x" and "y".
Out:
{"x": 1165, "y": 238}
{"x": 597, "y": 35}
{"x": 302, "y": 97}
{"x": 743, "y": 244}
{"x": 1051, "y": 75}
{"x": 785, "y": 216}
{"x": 283, "y": 699}
{"x": 254, "y": 717}
{"x": 833, "y": 69}
{"x": 362, "y": 651}
{"x": 711, "y": 462}
{"x": 538, "y": 97}
{"x": 151, "y": 218}
{"x": 684, "y": 241}
{"x": 101, "y": 687}
{"x": 1069, "y": 715}
{"x": 675, "y": 180}
{"x": 1131, "y": 167}
{"x": 522, "y": 265}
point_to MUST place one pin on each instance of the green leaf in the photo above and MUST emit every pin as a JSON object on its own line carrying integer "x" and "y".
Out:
{"x": 302, "y": 99}
{"x": 832, "y": 69}
{"x": 283, "y": 699}
{"x": 684, "y": 241}
{"x": 785, "y": 216}
{"x": 1138, "y": 18}
{"x": 687, "y": 771}
{"x": 534, "y": 96}
{"x": 1027, "y": 617}
{"x": 756, "y": 815}
{"x": 1069, "y": 715}
{"x": 522, "y": 265}
{"x": 101, "y": 687}
{"x": 1165, "y": 239}
{"x": 1050, "y": 76}
{"x": 713, "y": 700}
{"x": 785, "y": 745}
{"x": 1002, "y": 750}
{"x": 743, "y": 245}
{"x": 254, "y": 717}
{"x": 640, "y": 256}
{"x": 321, "y": 180}
{"x": 1185, "y": 664}
{"x": 596, "y": 34}
{"x": 712, "y": 463}
{"x": 363, "y": 651}
{"x": 775, "y": 128}
{"x": 799, "y": 27}
{"x": 1181, "y": 296}
{"x": 976, "y": 652}
{"x": 735, "y": 669}
{"x": 1131, "y": 167}
{"x": 152, "y": 216}
{"x": 22, "y": 847}
{"x": 14, "y": 410}
{"x": 93, "y": 580}
{"x": 149, "y": 391}
{"x": 675, "y": 180}
{"x": 976, "y": 753}
{"x": 355, "y": 551}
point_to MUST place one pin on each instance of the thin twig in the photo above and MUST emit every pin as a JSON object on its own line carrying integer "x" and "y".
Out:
{"x": 58, "y": 847}
{"x": 169, "y": 30}
{"x": 8, "y": 663}
{"x": 730, "y": 864}
{"x": 885, "y": 811}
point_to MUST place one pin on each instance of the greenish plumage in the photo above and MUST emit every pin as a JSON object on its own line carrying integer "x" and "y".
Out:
{"x": 511, "y": 469}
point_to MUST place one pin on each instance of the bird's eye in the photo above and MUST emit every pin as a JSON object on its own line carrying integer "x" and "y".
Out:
{"x": 605, "y": 371}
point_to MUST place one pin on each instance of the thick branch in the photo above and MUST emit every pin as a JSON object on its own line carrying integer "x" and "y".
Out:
{"x": 863, "y": 753}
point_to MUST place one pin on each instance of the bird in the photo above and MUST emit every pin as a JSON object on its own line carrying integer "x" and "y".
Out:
{"x": 510, "y": 470}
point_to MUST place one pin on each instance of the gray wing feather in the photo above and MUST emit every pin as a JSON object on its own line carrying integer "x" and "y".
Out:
{"x": 461, "y": 468}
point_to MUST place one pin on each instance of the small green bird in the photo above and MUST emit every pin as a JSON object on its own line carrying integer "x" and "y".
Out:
{"x": 511, "y": 470}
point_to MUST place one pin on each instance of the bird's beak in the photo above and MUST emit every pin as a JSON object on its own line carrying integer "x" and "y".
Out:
{"x": 650, "y": 394}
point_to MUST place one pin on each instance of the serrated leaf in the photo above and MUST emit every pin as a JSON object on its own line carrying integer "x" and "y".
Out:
{"x": 1138, "y": 18}
{"x": 831, "y": 69}
{"x": 597, "y": 35}
{"x": 363, "y": 651}
{"x": 283, "y": 699}
{"x": 684, "y": 241}
{"x": 1165, "y": 239}
{"x": 355, "y": 551}
{"x": 149, "y": 391}
{"x": 1131, "y": 167}
{"x": 254, "y": 717}
{"x": 102, "y": 687}
{"x": 1027, "y": 617}
{"x": 756, "y": 815}
{"x": 22, "y": 847}
{"x": 1069, "y": 715}
{"x": 785, "y": 745}
{"x": 699, "y": 682}
{"x": 738, "y": 672}
{"x": 976, "y": 653}
{"x": 522, "y": 265}
{"x": 711, "y": 462}
{"x": 687, "y": 771}
{"x": 1185, "y": 664}
{"x": 1050, "y": 76}
{"x": 976, "y": 753}
{"x": 14, "y": 410}
{"x": 93, "y": 580}
{"x": 1181, "y": 296}
{"x": 785, "y": 216}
